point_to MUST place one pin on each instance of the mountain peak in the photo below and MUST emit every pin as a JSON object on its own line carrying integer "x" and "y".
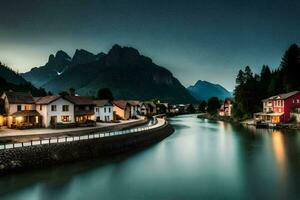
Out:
{"x": 203, "y": 90}
{"x": 82, "y": 56}
{"x": 62, "y": 55}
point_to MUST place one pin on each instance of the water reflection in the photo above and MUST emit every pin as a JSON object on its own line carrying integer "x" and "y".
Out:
{"x": 201, "y": 160}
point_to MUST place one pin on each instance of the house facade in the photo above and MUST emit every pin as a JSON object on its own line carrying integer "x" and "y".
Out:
{"x": 55, "y": 110}
{"x": 225, "y": 109}
{"x": 278, "y": 108}
{"x": 122, "y": 109}
{"x": 134, "y": 108}
{"x": 104, "y": 110}
{"x": 83, "y": 108}
{"x": 20, "y": 110}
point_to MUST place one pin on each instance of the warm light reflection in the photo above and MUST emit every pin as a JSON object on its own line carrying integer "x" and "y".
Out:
{"x": 279, "y": 150}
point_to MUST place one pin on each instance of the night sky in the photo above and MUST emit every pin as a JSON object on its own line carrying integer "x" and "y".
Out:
{"x": 207, "y": 40}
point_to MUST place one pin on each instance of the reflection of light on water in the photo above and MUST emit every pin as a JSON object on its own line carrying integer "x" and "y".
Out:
{"x": 279, "y": 150}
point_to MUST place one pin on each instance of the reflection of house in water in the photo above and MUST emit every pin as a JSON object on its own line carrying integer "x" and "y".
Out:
{"x": 280, "y": 152}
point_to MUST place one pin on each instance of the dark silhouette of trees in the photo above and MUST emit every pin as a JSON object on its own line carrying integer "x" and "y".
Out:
{"x": 105, "y": 93}
{"x": 202, "y": 106}
{"x": 213, "y": 105}
{"x": 252, "y": 88}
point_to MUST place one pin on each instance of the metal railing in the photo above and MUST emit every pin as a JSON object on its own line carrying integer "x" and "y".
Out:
{"x": 96, "y": 135}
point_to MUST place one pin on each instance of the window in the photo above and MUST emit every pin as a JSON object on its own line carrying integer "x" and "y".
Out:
{"x": 41, "y": 107}
{"x": 297, "y": 100}
{"x": 293, "y": 100}
{"x": 53, "y": 107}
{"x": 19, "y": 107}
{"x": 65, "y": 108}
{"x": 97, "y": 109}
{"x": 27, "y": 107}
{"x": 109, "y": 110}
{"x": 105, "y": 110}
{"x": 65, "y": 118}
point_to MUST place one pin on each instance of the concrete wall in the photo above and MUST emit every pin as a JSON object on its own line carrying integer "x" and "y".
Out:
{"x": 53, "y": 154}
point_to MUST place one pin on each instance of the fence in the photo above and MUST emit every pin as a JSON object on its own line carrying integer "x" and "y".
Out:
{"x": 54, "y": 140}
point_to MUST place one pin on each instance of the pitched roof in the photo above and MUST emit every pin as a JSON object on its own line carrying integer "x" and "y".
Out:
{"x": 24, "y": 113}
{"x": 134, "y": 102}
{"x": 282, "y": 96}
{"x": 79, "y": 100}
{"x": 47, "y": 99}
{"x": 102, "y": 102}
{"x": 150, "y": 103}
{"x": 120, "y": 103}
{"x": 19, "y": 97}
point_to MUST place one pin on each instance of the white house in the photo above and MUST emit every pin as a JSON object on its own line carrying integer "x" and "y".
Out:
{"x": 55, "y": 109}
{"x": 104, "y": 110}
{"x": 20, "y": 110}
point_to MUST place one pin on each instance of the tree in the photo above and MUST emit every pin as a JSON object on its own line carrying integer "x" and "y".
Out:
{"x": 290, "y": 68}
{"x": 202, "y": 106}
{"x": 240, "y": 78}
{"x": 105, "y": 93}
{"x": 213, "y": 105}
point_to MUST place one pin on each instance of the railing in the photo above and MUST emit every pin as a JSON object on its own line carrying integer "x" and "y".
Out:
{"x": 54, "y": 140}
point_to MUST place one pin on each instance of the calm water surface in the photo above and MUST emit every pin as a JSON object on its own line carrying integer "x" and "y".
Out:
{"x": 201, "y": 160}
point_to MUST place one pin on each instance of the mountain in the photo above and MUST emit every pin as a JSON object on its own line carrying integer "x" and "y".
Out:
{"x": 10, "y": 80}
{"x": 203, "y": 90}
{"x": 124, "y": 70}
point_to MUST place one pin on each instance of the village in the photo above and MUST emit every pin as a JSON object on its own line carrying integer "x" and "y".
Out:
{"x": 20, "y": 110}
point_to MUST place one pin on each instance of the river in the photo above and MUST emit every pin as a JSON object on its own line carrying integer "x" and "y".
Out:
{"x": 201, "y": 160}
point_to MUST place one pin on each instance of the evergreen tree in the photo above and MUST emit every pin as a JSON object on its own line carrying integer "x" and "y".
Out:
{"x": 105, "y": 93}
{"x": 213, "y": 105}
{"x": 202, "y": 106}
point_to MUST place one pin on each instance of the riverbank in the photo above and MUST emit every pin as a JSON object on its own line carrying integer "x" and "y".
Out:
{"x": 45, "y": 155}
{"x": 247, "y": 123}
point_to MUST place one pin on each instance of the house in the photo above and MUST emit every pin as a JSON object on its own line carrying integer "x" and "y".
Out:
{"x": 143, "y": 108}
{"x": 134, "y": 108}
{"x": 225, "y": 109}
{"x": 104, "y": 110}
{"x": 55, "y": 110}
{"x": 162, "y": 108}
{"x": 83, "y": 108}
{"x": 122, "y": 109}
{"x": 278, "y": 108}
{"x": 150, "y": 108}
{"x": 20, "y": 110}
{"x": 2, "y": 113}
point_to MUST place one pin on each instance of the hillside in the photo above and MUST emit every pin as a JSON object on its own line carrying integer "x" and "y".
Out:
{"x": 124, "y": 70}
{"x": 203, "y": 90}
{"x": 10, "y": 80}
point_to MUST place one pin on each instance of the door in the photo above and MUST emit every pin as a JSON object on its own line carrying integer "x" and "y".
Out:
{"x": 53, "y": 120}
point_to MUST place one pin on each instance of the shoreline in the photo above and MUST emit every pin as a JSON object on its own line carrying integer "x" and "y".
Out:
{"x": 46, "y": 155}
{"x": 236, "y": 122}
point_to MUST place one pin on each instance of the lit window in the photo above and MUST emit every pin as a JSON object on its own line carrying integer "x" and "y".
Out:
{"x": 53, "y": 107}
{"x": 65, "y": 118}
{"x": 27, "y": 107}
{"x": 65, "y": 108}
{"x": 297, "y": 100}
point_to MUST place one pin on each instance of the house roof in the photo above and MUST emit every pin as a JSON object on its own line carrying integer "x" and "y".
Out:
{"x": 101, "y": 103}
{"x": 134, "y": 102}
{"x": 282, "y": 96}
{"x": 19, "y": 97}
{"x": 25, "y": 113}
{"x": 120, "y": 103}
{"x": 47, "y": 99}
{"x": 79, "y": 100}
{"x": 150, "y": 103}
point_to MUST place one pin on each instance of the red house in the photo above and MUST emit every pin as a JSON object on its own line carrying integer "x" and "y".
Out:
{"x": 278, "y": 108}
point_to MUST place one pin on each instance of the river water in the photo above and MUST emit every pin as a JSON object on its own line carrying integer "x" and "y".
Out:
{"x": 201, "y": 160}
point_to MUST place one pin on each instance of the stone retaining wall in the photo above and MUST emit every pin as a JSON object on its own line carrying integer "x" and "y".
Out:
{"x": 53, "y": 154}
